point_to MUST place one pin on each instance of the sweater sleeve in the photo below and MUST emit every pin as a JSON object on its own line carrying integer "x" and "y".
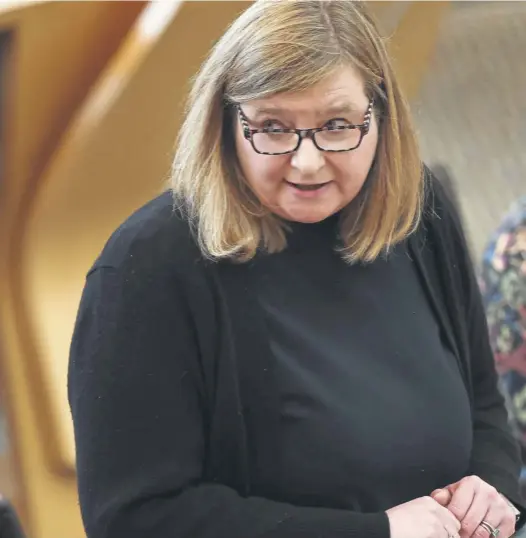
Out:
{"x": 495, "y": 456}
{"x": 140, "y": 430}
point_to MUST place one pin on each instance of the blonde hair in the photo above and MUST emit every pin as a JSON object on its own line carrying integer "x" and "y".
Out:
{"x": 279, "y": 46}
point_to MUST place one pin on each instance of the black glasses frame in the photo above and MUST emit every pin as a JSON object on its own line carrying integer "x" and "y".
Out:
{"x": 306, "y": 133}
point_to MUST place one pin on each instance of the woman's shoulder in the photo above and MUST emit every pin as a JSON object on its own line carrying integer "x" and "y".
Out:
{"x": 155, "y": 236}
{"x": 441, "y": 229}
{"x": 440, "y": 213}
{"x": 441, "y": 233}
{"x": 436, "y": 197}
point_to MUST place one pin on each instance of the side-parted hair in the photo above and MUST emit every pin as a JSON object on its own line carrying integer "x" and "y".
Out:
{"x": 280, "y": 46}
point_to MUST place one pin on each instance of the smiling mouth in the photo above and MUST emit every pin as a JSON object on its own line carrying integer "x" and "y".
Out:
{"x": 308, "y": 187}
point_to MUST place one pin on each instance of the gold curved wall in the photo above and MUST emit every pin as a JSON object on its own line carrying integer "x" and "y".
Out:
{"x": 94, "y": 106}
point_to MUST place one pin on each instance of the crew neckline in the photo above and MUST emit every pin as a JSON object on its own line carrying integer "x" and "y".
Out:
{"x": 302, "y": 234}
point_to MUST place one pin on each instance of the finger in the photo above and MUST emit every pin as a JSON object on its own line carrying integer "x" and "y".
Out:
{"x": 494, "y": 518}
{"x": 508, "y": 525}
{"x": 452, "y": 532}
{"x": 441, "y": 496}
{"x": 462, "y": 499}
{"x": 504, "y": 531}
{"x": 481, "y": 508}
{"x": 448, "y": 520}
{"x": 507, "y": 528}
{"x": 501, "y": 517}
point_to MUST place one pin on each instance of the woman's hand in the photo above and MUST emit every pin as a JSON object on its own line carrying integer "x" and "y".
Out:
{"x": 479, "y": 508}
{"x": 422, "y": 518}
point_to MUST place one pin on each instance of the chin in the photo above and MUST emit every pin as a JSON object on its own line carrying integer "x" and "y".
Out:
{"x": 311, "y": 217}
{"x": 309, "y": 220}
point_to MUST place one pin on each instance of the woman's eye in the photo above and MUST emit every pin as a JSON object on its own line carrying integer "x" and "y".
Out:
{"x": 337, "y": 122}
{"x": 272, "y": 124}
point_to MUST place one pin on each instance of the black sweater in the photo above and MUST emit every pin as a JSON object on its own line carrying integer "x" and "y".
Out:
{"x": 374, "y": 411}
{"x": 174, "y": 396}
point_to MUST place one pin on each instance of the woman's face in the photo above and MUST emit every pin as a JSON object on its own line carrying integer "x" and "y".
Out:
{"x": 309, "y": 185}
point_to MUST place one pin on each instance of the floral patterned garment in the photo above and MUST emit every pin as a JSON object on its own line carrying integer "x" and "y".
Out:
{"x": 503, "y": 286}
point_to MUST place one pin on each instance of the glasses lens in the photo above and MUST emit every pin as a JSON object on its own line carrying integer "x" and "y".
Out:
{"x": 338, "y": 139}
{"x": 275, "y": 142}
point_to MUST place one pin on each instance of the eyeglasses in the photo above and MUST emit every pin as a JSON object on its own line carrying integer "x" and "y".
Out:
{"x": 332, "y": 138}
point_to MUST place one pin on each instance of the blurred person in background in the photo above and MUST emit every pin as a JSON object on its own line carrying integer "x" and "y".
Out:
{"x": 503, "y": 285}
{"x": 290, "y": 343}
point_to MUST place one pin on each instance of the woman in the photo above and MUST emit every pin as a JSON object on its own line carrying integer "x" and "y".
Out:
{"x": 503, "y": 284}
{"x": 296, "y": 346}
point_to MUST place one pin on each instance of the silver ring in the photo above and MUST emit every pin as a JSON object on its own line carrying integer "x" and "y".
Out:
{"x": 493, "y": 532}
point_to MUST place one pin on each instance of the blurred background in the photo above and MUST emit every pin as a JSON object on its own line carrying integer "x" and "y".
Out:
{"x": 91, "y": 97}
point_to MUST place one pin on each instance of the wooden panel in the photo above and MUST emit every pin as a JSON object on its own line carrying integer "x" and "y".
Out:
{"x": 115, "y": 154}
{"x": 414, "y": 41}
{"x": 57, "y": 51}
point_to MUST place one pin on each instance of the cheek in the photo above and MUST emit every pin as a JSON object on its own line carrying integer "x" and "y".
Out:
{"x": 370, "y": 142}
{"x": 353, "y": 167}
{"x": 262, "y": 172}
{"x": 364, "y": 158}
{"x": 242, "y": 151}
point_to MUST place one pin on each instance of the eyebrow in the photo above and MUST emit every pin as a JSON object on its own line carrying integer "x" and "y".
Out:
{"x": 332, "y": 110}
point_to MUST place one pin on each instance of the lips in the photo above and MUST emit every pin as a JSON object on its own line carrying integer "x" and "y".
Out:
{"x": 308, "y": 186}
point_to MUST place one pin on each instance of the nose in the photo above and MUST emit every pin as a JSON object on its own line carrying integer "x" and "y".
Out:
{"x": 308, "y": 159}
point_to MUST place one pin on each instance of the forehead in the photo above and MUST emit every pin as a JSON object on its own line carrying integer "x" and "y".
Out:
{"x": 342, "y": 90}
